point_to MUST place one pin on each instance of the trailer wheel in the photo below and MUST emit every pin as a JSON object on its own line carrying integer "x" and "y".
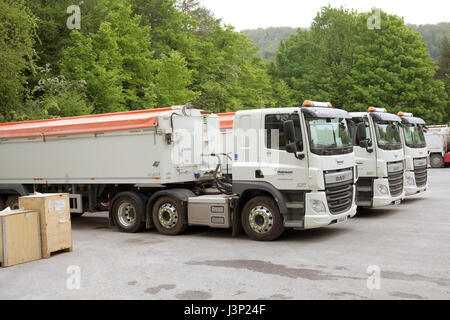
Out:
{"x": 128, "y": 212}
{"x": 2, "y": 203}
{"x": 261, "y": 219}
{"x": 436, "y": 161}
{"x": 167, "y": 215}
{"x": 12, "y": 202}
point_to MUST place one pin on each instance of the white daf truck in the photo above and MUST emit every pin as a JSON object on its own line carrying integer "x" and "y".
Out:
{"x": 415, "y": 148}
{"x": 379, "y": 156}
{"x": 292, "y": 168}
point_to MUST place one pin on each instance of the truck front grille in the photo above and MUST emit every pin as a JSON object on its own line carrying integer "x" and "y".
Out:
{"x": 396, "y": 183}
{"x": 339, "y": 196}
{"x": 421, "y": 176}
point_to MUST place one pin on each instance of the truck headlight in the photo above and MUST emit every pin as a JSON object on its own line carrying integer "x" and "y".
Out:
{"x": 410, "y": 181}
{"x": 318, "y": 206}
{"x": 383, "y": 189}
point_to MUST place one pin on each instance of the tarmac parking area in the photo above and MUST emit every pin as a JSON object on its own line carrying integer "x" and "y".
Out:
{"x": 397, "y": 252}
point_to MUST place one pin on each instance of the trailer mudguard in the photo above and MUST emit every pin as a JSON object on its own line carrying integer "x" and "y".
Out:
{"x": 20, "y": 189}
{"x": 178, "y": 194}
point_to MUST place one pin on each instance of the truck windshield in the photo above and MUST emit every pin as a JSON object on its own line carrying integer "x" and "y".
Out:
{"x": 329, "y": 136}
{"x": 414, "y": 136}
{"x": 388, "y": 135}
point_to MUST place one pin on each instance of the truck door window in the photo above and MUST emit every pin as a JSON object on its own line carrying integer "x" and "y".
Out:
{"x": 356, "y": 137}
{"x": 274, "y": 127}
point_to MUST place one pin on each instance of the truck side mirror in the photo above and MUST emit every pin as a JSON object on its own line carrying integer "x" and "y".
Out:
{"x": 364, "y": 144}
{"x": 291, "y": 147}
{"x": 361, "y": 131}
{"x": 289, "y": 131}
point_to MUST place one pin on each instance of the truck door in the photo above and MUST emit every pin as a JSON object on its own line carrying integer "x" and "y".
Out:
{"x": 280, "y": 168}
{"x": 366, "y": 161}
{"x": 365, "y": 158}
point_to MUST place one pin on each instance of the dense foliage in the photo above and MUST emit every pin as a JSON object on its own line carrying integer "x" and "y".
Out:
{"x": 268, "y": 39}
{"x": 433, "y": 35}
{"x": 136, "y": 54}
{"x": 343, "y": 61}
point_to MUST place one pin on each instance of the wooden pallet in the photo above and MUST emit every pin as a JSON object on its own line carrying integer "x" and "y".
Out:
{"x": 47, "y": 255}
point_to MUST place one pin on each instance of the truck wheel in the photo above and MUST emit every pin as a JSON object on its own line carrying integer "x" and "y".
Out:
{"x": 12, "y": 202}
{"x": 2, "y": 203}
{"x": 261, "y": 219}
{"x": 168, "y": 216}
{"x": 128, "y": 212}
{"x": 436, "y": 161}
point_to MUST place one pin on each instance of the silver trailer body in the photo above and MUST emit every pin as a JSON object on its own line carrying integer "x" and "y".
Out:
{"x": 151, "y": 156}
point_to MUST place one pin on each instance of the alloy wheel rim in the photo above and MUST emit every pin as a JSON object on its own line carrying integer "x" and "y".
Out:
{"x": 260, "y": 219}
{"x": 168, "y": 215}
{"x": 127, "y": 214}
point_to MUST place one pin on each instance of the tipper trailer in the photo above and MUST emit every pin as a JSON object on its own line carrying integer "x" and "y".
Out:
{"x": 162, "y": 168}
{"x": 380, "y": 158}
{"x": 415, "y": 148}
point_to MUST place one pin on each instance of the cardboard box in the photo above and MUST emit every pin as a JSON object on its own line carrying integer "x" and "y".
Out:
{"x": 56, "y": 228}
{"x": 19, "y": 237}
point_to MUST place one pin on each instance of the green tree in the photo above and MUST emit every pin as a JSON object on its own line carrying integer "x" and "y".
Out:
{"x": 268, "y": 39}
{"x": 283, "y": 95}
{"x": 231, "y": 76}
{"x": 444, "y": 60}
{"x": 55, "y": 97}
{"x": 343, "y": 61}
{"x": 116, "y": 62}
{"x": 172, "y": 81}
{"x": 432, "y": 35}
{"x": 112, "y": 53}
{"x": 393, "y": 69}
{"x": 17, "y": 37}
{"x": 443, "y": 72}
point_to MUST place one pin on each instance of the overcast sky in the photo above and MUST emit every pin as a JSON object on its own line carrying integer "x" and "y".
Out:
{"x": 251, "y": 14}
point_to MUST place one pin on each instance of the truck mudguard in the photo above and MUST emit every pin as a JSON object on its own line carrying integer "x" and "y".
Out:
{"x": 239, "y": 187}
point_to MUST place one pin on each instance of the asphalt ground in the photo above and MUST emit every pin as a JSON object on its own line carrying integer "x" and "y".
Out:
{"x": 396, "y": 252}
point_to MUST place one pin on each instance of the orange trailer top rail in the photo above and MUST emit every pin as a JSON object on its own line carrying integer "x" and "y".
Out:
{"x": 226, "y": 120}
{"x": 83, "y": 124}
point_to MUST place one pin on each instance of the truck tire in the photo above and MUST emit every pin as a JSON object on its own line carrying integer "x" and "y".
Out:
{"x": 261, "y": 219}
{"x": 12, "y": 202}
{"x": 128, "y": 212}
{"x": 436, "y": 161}
{"x": 2, "y": 203}
{"x": 168, "y": 217}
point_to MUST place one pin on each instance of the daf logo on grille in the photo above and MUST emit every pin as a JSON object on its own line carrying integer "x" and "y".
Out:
{"x": 331, "y": 178}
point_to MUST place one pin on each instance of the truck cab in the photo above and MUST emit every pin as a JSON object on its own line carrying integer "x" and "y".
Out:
{"x": 379, "y": 156}
{"x": 415, "y": 149}
{"x": 301, "y": 157}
